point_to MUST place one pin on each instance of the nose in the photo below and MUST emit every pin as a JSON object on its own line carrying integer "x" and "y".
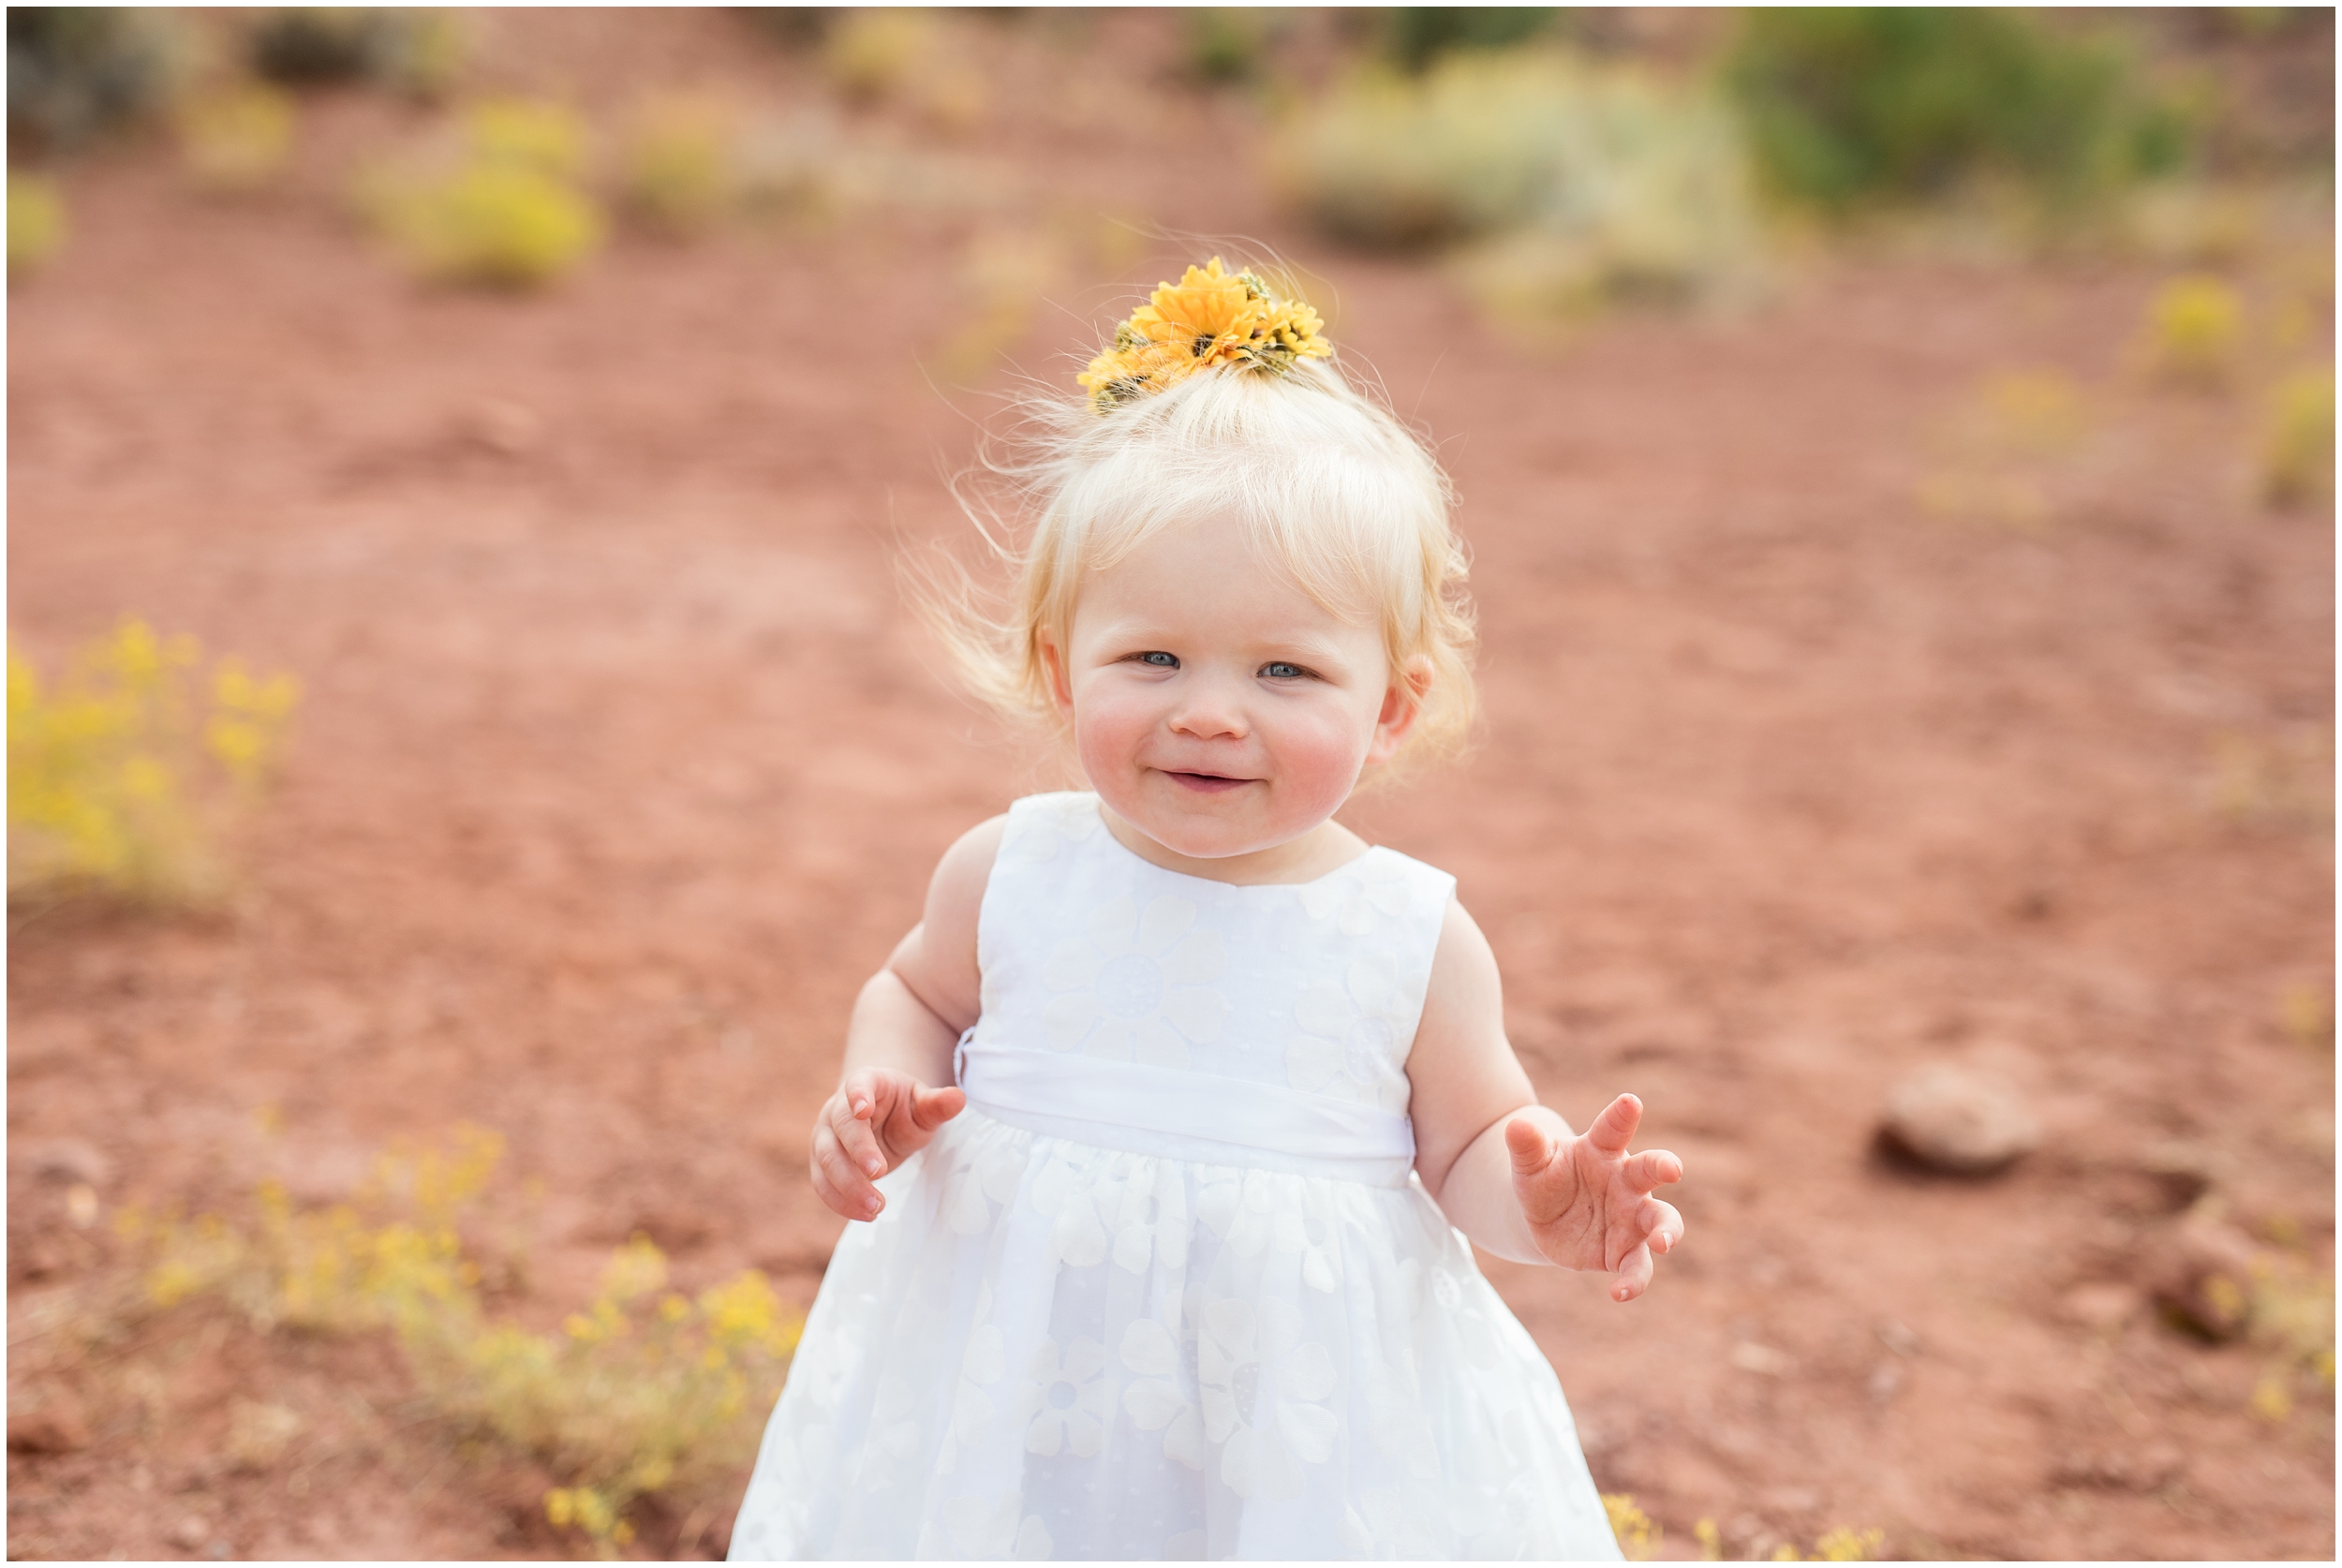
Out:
{"x": 1209, "y": 710}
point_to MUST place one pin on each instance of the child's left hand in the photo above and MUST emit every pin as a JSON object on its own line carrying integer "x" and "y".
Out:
{"x": 1588, "y": 1202}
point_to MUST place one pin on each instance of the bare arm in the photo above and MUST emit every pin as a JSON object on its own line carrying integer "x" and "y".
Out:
{"x": 896, "y": 1088}
{"x": 1505, "y": 1170}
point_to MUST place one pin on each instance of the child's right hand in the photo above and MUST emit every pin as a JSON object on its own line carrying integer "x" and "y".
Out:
{"x": 879, "y": 1117}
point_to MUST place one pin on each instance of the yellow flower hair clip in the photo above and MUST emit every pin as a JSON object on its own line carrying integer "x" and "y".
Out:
{"x": 1209, "y": 316}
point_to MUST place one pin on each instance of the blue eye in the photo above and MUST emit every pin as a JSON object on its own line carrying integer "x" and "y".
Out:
{"x": 1281, "y": 671}
{"x": 1159, "y": 661}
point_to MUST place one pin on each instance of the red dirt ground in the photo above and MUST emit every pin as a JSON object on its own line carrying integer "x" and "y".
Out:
{"x": 621, "y": 763}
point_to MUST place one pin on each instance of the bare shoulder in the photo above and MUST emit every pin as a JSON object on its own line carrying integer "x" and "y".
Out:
{"x": 1464, "y": 980}
{"x": 956, "y": 893}
{"x": 1462, "y": 1074}
{"x": 938, "y": 960}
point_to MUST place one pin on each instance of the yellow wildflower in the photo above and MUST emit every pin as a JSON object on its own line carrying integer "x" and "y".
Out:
{"x": 1211, "y": 317}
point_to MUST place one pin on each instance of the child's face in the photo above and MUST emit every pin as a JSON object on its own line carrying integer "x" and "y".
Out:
{"x": 1217, "y": 707}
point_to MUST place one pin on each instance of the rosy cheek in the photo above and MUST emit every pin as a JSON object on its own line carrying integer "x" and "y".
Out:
{"x": 1323, "y": 759}
{"x": 1107, "y": 728}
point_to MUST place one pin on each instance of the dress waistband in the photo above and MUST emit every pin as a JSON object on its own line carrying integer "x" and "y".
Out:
{"x": 1187, "y": 1116}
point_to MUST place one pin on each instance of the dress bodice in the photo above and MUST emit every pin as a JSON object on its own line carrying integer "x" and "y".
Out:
{"x": 1125, "y": 1004}
{"x": 1167, "y": 1288}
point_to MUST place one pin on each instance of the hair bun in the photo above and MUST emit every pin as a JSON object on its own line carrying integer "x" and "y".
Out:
{"x": 1209, "y": 316}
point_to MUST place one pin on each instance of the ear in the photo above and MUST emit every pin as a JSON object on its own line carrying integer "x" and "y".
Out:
{"x": 1402, "y": 709}
{"x": 1053, "y": 671}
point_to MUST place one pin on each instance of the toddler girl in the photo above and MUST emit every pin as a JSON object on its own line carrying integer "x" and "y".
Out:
{"x": 1159, "y": 1128}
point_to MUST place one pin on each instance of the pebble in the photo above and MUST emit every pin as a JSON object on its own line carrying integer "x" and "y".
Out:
{"x": 2200, "y": 1273}
{"x": 2104, "y": 1305}
{"x": 504, "y": 428}
{"x": 1950, "y": 1119}
{"x": 2184, "y": 1171}
{"x": 57, "y": 1427}
{"x": 2120, "y": 1470}
{"x": 69, "y": 1158}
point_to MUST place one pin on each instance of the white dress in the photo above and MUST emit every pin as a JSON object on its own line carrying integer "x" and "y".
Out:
{"x": 1168, "y": 1287}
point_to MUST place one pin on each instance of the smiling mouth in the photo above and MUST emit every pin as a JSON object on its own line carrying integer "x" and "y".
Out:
{"x": 1208, "y": 783}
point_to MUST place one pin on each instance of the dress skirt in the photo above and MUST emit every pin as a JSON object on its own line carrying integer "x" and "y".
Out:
{"x": 1052, "y": 1348}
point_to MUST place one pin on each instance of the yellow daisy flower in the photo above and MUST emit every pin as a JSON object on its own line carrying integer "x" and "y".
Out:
{"x": 1211, "y": 317}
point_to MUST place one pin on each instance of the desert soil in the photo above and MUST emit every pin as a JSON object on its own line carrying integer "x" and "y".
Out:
{"x": 621, "y": 763}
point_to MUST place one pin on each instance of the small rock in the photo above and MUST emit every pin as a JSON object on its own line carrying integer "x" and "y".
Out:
{"x": 2182, "y": 1171}
{"x": 190, "y": 1533}
{"x": 55, "y": 1427}
{"x": 69, "y": 1160}
{"x": 1898, "y": 1338}
{"x": 259, "y": 1434}
{"x": 674, "y": 1229}
{"x": 2120, "y": 1471}
{"x": 81, "y": 1206}
{"x": 505, "y": 428}
{"x": 38, "y": 1258}
{"x": 1949, "y": 1119}
{"x": 1764, "y": 1360}
{"x": 2200, "y": 1274}
{"x": 1885, "y": 1382}
{"x": 2101, "y": 1306}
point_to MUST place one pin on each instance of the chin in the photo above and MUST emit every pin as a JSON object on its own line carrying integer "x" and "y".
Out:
{"x": 1206, "y": 826}
{"x": 1204, "y": 840}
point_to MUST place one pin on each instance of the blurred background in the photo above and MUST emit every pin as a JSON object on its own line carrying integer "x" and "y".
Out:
{"x": 467, "y": 743}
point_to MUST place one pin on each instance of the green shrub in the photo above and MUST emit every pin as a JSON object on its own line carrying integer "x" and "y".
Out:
{"x": 2194, "y": 328}
{"x": 791, "y": 26}
{"x": 1638, "y": 1536}
{"x": 35, "y": 223}
{"x": 1603, "y": 183}
{"x": 75, "y": 71}
{"x": 676, "y": 172}
{"x": 508, "y": 213}
{"x": 126, "y": 777}
{"x": 416, "y": 51}
{"x": 1416, "y": 36}
{"x": 791, "y": 172}
{"x": 237, "y": 142}
{"x": 523, "y": 133}
{"x": 2192, "y": 223}
{"x": 870, "y": 54}
{"x": 2297, "y": 451}
{"x": 876, "y": 57}
{"x": 1857, "y": 104}
{"x": 1226, "y": 43}
{"x": 642, "y": 1391}
{"x": 494, "y": 225}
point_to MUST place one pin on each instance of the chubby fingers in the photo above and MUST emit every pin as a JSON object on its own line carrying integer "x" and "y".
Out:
{"x": 835, "y": 1179}
{"x": 1614, "y": 1129}
{"x": 852, "y": 1114}
{"x": 1652, "y": 1167}
{"x": 1662, "y": 1226}
{"x": 1534, "y": 1151}
{"x": 1530, "y": 1146}
{"x": 1634, "y": 1275}
{"x": 846, "y": 1153}
{"x": 930, "y": 1108}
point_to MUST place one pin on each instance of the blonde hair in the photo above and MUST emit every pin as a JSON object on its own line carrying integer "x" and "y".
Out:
{"x": 1324, "y": 476}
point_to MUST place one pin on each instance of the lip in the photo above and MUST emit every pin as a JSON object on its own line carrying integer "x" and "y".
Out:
{"x": 1206, "y": 783}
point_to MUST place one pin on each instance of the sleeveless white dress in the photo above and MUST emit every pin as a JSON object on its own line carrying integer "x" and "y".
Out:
{"x": 1169, "y": 1288}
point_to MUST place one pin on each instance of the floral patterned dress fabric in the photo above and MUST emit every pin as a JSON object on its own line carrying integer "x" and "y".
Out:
{"x": 1167, "y": 1289}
